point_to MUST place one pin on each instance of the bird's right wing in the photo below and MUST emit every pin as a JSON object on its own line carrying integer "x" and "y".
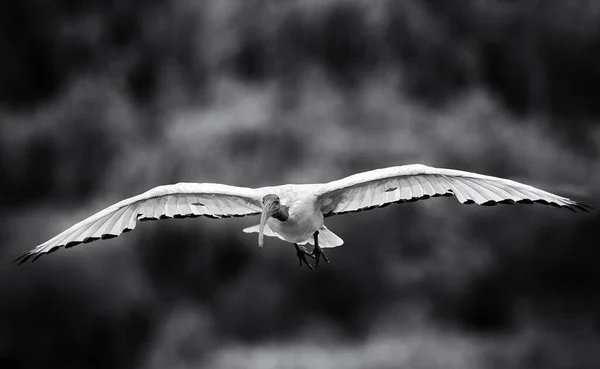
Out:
{"x": 179, "y": 200}
{"x": 381, "y": 187}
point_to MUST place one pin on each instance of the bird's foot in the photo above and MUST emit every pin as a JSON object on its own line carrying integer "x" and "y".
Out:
{"x": 302, "y": 253}
{"x": 317, "y": 252}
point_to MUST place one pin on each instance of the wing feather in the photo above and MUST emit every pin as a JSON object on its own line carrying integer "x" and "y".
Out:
{"x": 478, "y": 192}
{"x": 503, "y": 193}
{"x": 107, "y": 225}
{"x": 169, "y": 206}
{"x": 116, "y": 221}
{"x": 426, "y": 185}
{"x": 374, "y": 191}
{"x": 160, "y": 210}
{"x": 437, "y": 186}
{"x": 405, "y": 189}
{"x": 381, "y": 187}
{"x": 179, "y": 200}
{"x": 488, "y": 191}
{"x": 391, "y": 195}
{"x": 71, "y": 240}
{"x": 183, "y": 205}
{"x": 363, "y": 194}
{"x": 95, "y": 227}
{"x": 123, "y": 220}
{"x": 149, "y": 206}
{"x": 379, "y": 196}
{"x": 468, "y": 192}
{"x": 417, "y": 188}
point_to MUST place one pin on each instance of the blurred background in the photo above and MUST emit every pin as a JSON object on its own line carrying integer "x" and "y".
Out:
{"x": 102, "y": 100}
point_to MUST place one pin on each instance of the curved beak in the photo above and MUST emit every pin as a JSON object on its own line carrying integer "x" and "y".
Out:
{"x": 268, "y": 210}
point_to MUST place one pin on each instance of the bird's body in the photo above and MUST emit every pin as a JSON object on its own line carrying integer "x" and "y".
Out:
{"x": 305, "y": 216}
{"x": 296, "y": 213}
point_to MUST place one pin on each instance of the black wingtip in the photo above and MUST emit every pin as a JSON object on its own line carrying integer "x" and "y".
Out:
{"x": 22, "y": 258}
{"x": 578, "y": 206}
{"x": 38, "y": 256}
{"x": 33, "y": 255}
{"x": 585, "y": 207}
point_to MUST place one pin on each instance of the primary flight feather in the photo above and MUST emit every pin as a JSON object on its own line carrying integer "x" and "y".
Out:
{"x": 295, "y": 213}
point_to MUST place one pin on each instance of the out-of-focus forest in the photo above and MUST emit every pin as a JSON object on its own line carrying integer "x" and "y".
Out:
{"x": 102, "y": 100}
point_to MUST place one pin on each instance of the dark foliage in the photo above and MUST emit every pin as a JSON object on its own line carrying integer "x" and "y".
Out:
{"x": 95, "y": 95}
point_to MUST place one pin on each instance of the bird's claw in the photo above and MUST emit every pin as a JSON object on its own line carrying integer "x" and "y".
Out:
{"x": 302, "y": 253}
{"x": 316, "y": 253}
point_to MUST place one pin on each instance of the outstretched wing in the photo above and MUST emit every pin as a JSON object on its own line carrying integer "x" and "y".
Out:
{"x": 381, "y": 187}
{"x": 180, "y": 200}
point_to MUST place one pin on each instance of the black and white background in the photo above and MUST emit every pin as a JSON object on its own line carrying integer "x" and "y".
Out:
{"x": 104, "y": 99}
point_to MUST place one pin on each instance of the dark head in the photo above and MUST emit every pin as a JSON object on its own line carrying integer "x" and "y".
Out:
{"x": 271, "y": 208}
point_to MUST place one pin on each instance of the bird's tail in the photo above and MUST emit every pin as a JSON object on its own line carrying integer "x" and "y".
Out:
{"x": 327, "y": 239}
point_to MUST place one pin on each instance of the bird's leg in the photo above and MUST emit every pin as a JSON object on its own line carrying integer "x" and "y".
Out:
{"x": 302, "y": 253}
{"x": 317, "y": 252}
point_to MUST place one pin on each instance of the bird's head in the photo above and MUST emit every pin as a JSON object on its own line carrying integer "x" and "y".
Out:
{"x": 271, "y": 208}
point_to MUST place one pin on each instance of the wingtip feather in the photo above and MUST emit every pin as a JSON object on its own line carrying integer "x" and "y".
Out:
{"x": 22, "y": 258}
{"x": 584, "y": 207}
{"x": 38, "y": 256}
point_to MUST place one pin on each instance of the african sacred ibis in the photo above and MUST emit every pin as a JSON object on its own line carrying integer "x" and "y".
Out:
{"x": 296, "y": 212}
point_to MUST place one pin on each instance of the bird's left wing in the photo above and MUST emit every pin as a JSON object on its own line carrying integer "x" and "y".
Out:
{"x": 406, "y": 183}
{"x": 179, "y": 200}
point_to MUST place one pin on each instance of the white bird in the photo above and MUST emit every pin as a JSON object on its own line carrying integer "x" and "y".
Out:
{"x": 296, "y": 212}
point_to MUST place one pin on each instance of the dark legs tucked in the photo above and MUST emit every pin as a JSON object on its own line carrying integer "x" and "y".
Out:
{"x": 317, "y": 252}
{"x": 302, "y": 253}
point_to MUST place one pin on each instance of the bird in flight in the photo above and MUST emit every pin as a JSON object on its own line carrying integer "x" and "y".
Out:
{"x": 296, "y": 212}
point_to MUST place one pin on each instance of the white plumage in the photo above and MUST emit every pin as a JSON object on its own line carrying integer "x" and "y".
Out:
{"x": 305, "y": 206}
